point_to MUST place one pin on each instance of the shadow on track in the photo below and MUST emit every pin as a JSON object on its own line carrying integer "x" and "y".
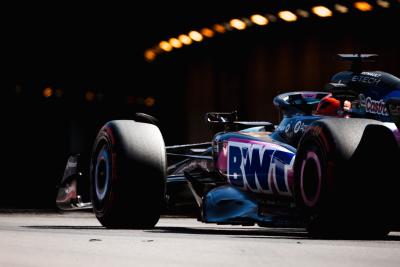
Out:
{"x": 269, "y": 233}
{"x": 293, "y": 233}
{"x": 266, "y": 233}
{"x": 64, "y": 227}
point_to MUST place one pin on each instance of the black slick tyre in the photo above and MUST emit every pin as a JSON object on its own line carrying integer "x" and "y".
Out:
{"x": 127, "y": 175}
{"x": 345, "y": 179}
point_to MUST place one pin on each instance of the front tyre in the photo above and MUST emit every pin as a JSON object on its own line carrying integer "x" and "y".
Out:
{"x": 127, "y": 175}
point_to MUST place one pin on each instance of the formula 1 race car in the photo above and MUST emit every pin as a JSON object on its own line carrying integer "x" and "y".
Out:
{"x": 334, "y": 172}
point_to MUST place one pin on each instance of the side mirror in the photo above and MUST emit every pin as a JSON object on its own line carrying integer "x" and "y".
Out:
{"x": 221, "y": 121}
{"x": 221, "y": 117}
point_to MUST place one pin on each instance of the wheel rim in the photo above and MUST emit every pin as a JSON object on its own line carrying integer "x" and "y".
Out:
{"x": 310, "y": 180}
{"x": 102, "y": 174}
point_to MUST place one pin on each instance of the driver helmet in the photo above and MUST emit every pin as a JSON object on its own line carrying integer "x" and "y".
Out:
{"x": 328, "y": 106}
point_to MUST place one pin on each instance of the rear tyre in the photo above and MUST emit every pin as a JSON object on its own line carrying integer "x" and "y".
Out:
{"x": 344, "y": 185}
{"x": 311, "y": 181}
{"x": 127, "y": 175}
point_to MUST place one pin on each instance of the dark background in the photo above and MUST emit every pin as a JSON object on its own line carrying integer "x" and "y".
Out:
{"x": 99, "y": 49}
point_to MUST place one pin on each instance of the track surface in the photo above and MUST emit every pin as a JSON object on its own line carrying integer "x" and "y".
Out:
{"x": 77, "y": 239}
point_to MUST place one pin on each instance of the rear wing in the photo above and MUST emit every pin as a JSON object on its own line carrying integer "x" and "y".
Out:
{"x": 357, "y": 60}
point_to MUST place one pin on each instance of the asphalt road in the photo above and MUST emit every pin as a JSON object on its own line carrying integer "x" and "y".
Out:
{"x": 77, "y": 239}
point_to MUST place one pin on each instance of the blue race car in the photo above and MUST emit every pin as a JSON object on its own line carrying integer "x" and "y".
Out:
{"x": 330, "y": 165}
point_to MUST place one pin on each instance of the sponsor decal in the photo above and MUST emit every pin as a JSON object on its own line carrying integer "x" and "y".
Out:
{"x": 372, "y": 106}
{"x": 375, "y": 106}
{"x": 366, "y": 73}
{"x": 287, "y": 128}
{"x": 299, "y": 126}
{"x": 260, "y": 167}
{"x": 281, "y": 127}
{"x": 373, "y": 79}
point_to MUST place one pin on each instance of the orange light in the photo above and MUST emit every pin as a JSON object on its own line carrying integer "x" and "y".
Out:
{"x": 237, "y": 24}
{"x": 363, "y": 6}
{"x": 196, "y": 36}
{"x": 382, "y": 3}
{"x": 149, "y": 55}
{"x": 149, "y": 101}
{"x": 207, "y": 32}
{"x": 164, "y": 45}
{"x": 287, "y": 16}
{"x": 259, "y": 20}
{"x": 47, "y": 92}
{"x": 219, "y": 28}
{"x": 322, "y": 11}
{"x": 185, "y": 39}
{"x": 175, "y": 43}
{"x": 342, "y": 9}
{"x": 89, "y": 96}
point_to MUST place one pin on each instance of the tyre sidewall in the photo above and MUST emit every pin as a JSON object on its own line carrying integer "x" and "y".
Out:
{"x": 104, "y": 138}
{"x": 314, "y": 147}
